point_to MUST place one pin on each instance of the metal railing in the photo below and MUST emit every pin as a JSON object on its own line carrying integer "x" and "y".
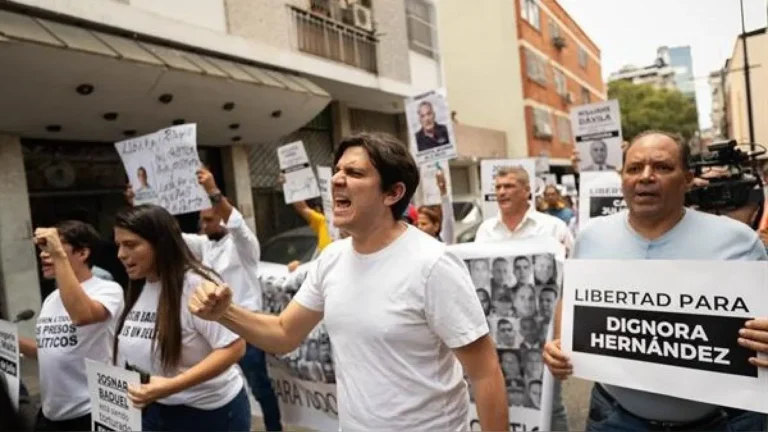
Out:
{"x": 324, "y": 37}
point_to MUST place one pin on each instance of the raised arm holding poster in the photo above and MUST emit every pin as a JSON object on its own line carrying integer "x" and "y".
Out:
{"x": 111, "y": 410}
{"x": 430, "y": 127}
{"x": 9, "y": 359}
{"x": 488, "y": 169}
{"x": 161, "y": 168}
{"x": 597, "y": 131}
{"x": 670, "y": 326}
{"x": 600, "y": 195}
{"x": 324, "y": 179}
{"x": 429, "y": 188}
{"x": 518, "y": 283}
{"x": 300, "y": 182}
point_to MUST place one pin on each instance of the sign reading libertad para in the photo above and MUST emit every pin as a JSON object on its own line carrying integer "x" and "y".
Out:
{"x": 674, "y": 324}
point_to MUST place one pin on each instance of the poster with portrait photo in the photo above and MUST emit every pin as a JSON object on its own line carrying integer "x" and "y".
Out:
{"x": 597, "y": 132}
{"x": 600, "y": 195}
{"x": 304, "y": 379}
{"x": 488, "y": 170}
{"x": 430, "y": 190}
{"x": 518, "y": 284}
{"x": 430, "y": 127}
{"x": 674, "y": 324}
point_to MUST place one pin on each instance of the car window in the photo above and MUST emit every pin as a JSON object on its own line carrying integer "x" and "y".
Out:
{"x": 468, "y": 236}
{"x": 282, "y": 250}
{"x": 461, "y": 209}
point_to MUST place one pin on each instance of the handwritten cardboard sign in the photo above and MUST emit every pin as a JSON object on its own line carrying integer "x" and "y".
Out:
{"x": 300, "y": 182}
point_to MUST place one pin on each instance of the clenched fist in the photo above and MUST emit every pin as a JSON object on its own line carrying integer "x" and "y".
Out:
{"x": 48, "y": 240}
{"x": 206, "y": 180}
{"x": 210, "y": 301}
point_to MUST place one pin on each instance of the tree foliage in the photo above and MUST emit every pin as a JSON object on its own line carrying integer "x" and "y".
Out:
{"x": 645, "y": 107}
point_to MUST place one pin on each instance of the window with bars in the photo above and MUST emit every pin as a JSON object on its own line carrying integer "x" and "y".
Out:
{"x": 421, "y": 27}
{"x": 529, "y": 10}
{"x": 536, "y": 67}
{"x": 561, "y": 85}
{"x": 542, "y": 123}
{"x": 564, "y": 129}
{"x": 583, "y": 58}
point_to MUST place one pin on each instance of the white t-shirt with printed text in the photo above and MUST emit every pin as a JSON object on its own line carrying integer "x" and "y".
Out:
{"x": 198, "y": 339}
{"x": 63, "y": 347}
{"x": 393, "y": 318}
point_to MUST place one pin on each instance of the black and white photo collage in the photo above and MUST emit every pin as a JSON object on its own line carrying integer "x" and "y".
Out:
{"x": 313, "y": 360}
{"x": 518, "y": 295}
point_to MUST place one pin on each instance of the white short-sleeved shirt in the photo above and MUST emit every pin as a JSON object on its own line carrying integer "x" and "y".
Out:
{"x": 198, "y": 339}
{"x": 534, "y": 224}
{"x": 393, "y": 318}
{"x": 63, "y": 347}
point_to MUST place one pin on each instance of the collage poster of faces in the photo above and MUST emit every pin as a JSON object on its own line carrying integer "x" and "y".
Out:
{"x": 518, "y": 295}
{"x": 313, "y": 360}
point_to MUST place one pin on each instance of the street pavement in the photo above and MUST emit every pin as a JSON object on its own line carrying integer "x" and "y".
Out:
{"x": 575, "y": 394}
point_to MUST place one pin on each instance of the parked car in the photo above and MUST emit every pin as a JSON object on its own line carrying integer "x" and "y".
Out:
{"x": 468, "y": 235}
{"x": 467, "y": 212}
{"x": 298, "y": 244}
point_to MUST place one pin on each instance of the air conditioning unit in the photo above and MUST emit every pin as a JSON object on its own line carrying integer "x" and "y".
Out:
{"x": 543, "y": 130}
{"x": 558, "y": 42}
{"x": 363, "y": 17}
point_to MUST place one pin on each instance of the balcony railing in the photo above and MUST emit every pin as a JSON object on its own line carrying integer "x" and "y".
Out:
{"x": 324, "y": 37}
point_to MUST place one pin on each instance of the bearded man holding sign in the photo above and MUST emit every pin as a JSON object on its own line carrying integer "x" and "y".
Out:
{"x": 401, "y": 311}
{"x": 655, "y": 177}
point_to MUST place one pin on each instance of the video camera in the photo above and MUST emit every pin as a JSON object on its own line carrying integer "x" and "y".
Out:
{"x": 733, "y": 176}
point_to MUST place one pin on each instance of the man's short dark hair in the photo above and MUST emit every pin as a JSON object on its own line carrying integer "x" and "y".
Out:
{"x": 548, "y": 289}
{"x": 682, "y": 147}
{"x": 391, "y": 159}
{"x": 500, "y": 260}
{"x": 80, "y": 235}
{"x": 521, "y": 257}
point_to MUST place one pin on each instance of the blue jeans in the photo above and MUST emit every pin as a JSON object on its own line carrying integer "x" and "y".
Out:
{"x": 254, "y": 366}
{"x": 559, "y": 413}
{"x": 607, "y": 415}
{"x": 234, "y": 416}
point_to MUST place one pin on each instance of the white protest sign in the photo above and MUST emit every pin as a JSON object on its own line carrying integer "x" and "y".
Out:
{"x": 488, "y": 169}
{"x": 519, "y": 307}
{"x": 544, "y": 180}
{"x": 568, "y": 181}
{"x": 673, "y": 324}
{"x": 600, "y": 195}
{"x": 429, "y": 188}
{"x": 300, "y": 182}
{"x": 324, "y": 176}
{"x": 111, "y": 410}
{"x": 9, "y": 359}
{"x": 305, "y": 379}
{"x": 597, "y": 131}
{"x": 430, "y": 127}
{"x": 162, "y": 169}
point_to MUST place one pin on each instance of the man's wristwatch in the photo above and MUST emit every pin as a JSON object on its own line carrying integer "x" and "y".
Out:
{"x": 216, "y": 197}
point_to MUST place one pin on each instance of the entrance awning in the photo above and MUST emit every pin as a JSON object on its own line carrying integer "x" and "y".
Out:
{"x": 60, "y": 81}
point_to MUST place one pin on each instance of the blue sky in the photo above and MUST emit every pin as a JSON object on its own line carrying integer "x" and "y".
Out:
{"x": 629, "y": 31}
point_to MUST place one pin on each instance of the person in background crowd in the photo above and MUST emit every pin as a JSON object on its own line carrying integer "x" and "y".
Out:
{"x": 516, "y": 220}
{"x": 194, "y": 383}
{"x": 232, "y": 250}
{"x": 314, "y": 217}
{"x": 76, "y": 321}
{"x": 656, "y": 225}
{"x": 438, "y": 222}
{"x": 555, "y": 205}
{"x": 380, "y": 334}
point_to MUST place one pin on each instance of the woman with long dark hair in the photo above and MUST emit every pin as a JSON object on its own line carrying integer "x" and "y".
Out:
{"x": 194, "y": 384}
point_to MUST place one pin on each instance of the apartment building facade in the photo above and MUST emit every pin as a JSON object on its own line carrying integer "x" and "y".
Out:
{"x": 736, "y": 113}
{"x": 79, "y": 75}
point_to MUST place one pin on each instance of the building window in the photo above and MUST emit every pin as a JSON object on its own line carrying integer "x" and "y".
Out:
{"x": 536, "y": 67}
{"x": 586, "y": 96}
{"x": 582, "y": 58}
{"x": 542, "y": 124}
{"x": 560, "y": 82}
{"x": 564, "y": 129}
{"x": 530, "y": 12}
{"x": 421, "y": 27}
{"x": 554, "y": 29}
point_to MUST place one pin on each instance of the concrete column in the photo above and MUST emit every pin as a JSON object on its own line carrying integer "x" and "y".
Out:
{"x": 19, "y": 285}
{"x": 340, "y": 121}
{"x": 237, "y": 178}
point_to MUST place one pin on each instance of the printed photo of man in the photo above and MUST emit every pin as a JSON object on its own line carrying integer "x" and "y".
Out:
{"x": 524, "y": 303}
{"x": 533, "y": 365}
{"x": 503, "y": 306}
{"x": 309, "y": 367}
{"x": 533, "y": 395}
{"x": 480, "y": 272}
{"x": 506, "y": 336}
{"x": 485, "y": 301}
{"x": 544, "y": 271}
{"x": 598, "y": 151}
{"x": 547, "y": 302}
{"x": 521, "y": 269}
{"x": 529, "y": 333}
{"x": 516, "y": 392}
{"x": 510, "y": 364}
{"x": 500, "y": 276}
{"x": 432, "y": 134}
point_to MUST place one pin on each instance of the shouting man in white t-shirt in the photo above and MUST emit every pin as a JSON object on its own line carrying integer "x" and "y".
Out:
{"x": 77, "y": 321}
{"x": 401, "y": 311}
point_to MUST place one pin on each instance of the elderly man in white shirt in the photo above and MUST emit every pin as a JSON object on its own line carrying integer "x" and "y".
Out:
{"x": 517, "y": 219}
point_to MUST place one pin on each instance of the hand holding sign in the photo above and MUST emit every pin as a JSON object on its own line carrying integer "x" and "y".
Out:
{"x": 49, "y": 242}
{"x": 210, "y": 301}
{"x": 755, "y": 337}
{"x": 206, "y": 180}
{"x": 441, "y": 183}
{"x": 144, "y": 394}
{"x": 557, "y": 362}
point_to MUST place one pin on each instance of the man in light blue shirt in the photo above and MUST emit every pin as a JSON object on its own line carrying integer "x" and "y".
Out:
{"x": 655, "y": 177}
